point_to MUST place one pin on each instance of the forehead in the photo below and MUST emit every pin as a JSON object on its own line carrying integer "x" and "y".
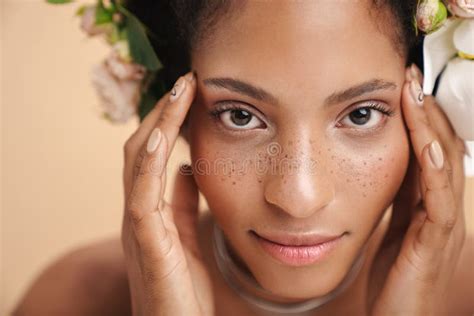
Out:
{"x": 301, "y": 40}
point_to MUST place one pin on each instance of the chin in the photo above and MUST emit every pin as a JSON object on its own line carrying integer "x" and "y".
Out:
{"x": 300, "y": 281}
{"x": 296, "y": 283}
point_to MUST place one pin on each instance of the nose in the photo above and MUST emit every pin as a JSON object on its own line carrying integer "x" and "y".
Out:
{"x": 299, "y": 190}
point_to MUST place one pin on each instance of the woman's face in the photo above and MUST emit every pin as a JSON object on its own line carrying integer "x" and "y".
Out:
{"x": 278, "y": 145}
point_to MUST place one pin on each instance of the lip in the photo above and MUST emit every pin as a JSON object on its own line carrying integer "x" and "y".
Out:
{"x": 297, "y": 250}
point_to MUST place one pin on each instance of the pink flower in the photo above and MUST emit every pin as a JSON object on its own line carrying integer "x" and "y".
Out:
{"x": 88, "y": 23}
{"x": 120, "y": 97}
{"x": 123, "y": 69}
{"x": 461, "y": 8}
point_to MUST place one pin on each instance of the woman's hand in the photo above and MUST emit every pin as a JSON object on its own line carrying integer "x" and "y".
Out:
{"x": 165, "y": 271}
{"x": 429, "y": 206}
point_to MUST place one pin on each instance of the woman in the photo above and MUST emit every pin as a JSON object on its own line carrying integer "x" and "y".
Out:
{"x": 334, "y": 186}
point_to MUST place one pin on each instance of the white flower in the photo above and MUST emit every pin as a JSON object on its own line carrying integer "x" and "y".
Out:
{"x": 455, "y": 96}
{"x": 88, "y": 23}
{"x": 461, "y": 8}
{"x": 119, "y": 97}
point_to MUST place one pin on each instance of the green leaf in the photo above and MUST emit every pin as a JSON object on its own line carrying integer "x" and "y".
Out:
{"x": 140, "y": 47}
{"x": 151, "y": 94}
{"x": 59, "y": 1}
{"x": 102, "y": 15}
{"x": 80, "y": 11}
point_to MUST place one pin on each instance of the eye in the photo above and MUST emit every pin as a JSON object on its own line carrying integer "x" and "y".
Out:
{"x": 236, "y": 117}
{"x": 367, "y": 117}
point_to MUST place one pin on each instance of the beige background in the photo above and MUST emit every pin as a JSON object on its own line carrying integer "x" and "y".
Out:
{"x": 61, "y": 162}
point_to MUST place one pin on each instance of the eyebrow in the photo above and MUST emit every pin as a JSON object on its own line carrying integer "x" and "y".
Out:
{"x": 260, "y": 94}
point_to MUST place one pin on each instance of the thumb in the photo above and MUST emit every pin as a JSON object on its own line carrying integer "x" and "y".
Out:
{"x": 185, "y": 205}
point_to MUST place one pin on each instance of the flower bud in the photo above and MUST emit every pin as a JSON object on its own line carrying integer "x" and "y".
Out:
{"x": 461, "y": 8}
{"x": 430, "y": 15}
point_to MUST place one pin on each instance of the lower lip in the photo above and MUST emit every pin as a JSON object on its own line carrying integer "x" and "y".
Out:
{"x": 297, "y": 255}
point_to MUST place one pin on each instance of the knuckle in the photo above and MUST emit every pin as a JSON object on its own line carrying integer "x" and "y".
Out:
{"x": 448, "y": 223}
{"x": 134, "y": 208}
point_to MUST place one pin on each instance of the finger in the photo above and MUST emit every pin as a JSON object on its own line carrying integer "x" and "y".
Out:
{"x": 185, "y": 203}
{"x": 455, "y": 148}
{"x": 174, "y": 112}
{"x": 415, "y": 117}
{"x": 142, "y": 205}
{"x": 132, "y": 149}
{"x": 440, "y": 205}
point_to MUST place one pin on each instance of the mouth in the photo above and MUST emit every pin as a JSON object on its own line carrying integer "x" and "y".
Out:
{"x": 297, "y": 250}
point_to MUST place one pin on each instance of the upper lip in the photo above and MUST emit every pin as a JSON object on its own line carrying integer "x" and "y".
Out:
{"x": 305, "y": 239}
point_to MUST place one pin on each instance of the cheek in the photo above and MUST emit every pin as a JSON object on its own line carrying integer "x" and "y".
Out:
{"x": 226, "y": 176}
{"x": 370, "y": 177}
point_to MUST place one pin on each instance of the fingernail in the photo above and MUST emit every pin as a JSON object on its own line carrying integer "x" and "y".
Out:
{"x": 178, "y": 89}
{"x": 190, "y": 76}
{"x": 416, "y": 92}
{"x": 436, "y": 155}
{"x": 153, "y": 140}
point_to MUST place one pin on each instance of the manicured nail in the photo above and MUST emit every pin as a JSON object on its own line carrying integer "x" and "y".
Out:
{"x": 153, "y": 140}
{"x": 190, "y": 76}
{"x": 178, "y": 89}
{"x": 436, "y": 155}
{"x": 416, "y": 92}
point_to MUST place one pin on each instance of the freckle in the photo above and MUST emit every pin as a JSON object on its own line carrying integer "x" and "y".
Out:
{"x": 222, "y": 179}
{"x": 286, "y": 156}
{"x": 364, "y": 185}
{"x": 380, "y": 159}
{"x": 357, "y": 179}
{"x": 343, "y": 160}
{"x": 348, "y": 181}
{"x": 319, "y": 152}
{"x": 329, "y": 149}
{"x": 331, "y": 172}
{"x": 259, "y": 181}
{"x": 364, "y": 195}
{"x": 365, "y": 163}
{"x": 233, "y": 182}
{"x": 332, "y": 157}
{"x": 386, "y": 175}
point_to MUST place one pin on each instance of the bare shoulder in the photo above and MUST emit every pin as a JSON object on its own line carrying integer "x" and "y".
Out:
{"x": 91, "y": 280}
{"x": 462, "y": 286}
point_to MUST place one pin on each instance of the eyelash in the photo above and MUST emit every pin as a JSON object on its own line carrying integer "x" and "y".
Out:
{"x": 229, "y": 106}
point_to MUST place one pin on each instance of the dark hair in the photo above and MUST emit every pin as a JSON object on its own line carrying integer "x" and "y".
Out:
{"x": 178, "y": 25}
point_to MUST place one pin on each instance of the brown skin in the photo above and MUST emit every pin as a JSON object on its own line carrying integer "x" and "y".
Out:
{"x": 356, "y": 177}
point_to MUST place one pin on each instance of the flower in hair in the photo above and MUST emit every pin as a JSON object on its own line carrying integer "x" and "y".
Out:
{"x": 461, "y": 8}
{"x": 126, "y": 81}
{"x": 448, "y": 66}
{"x": 430, "y": 15}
